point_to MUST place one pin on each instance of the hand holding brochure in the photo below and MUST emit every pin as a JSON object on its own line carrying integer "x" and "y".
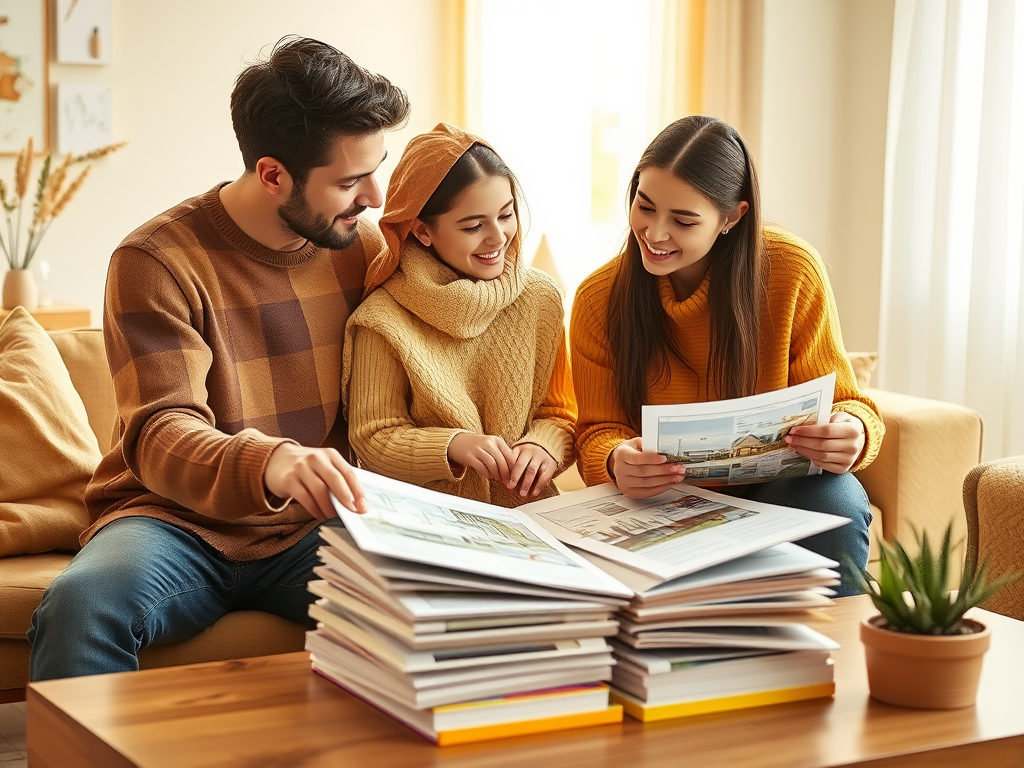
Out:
{"x": 733, "y": 442}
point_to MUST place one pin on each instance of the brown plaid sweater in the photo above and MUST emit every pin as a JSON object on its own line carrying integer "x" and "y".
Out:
{"x": 220, "y": 350}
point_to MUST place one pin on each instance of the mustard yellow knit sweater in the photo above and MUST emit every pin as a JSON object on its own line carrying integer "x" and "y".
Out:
{"x": 800, "y": 340}
{"x": 429, "y": 355}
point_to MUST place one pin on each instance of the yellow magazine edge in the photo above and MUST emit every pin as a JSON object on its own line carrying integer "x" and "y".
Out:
{"x": 613, "y": 714}
{"x": 566, "y": 690}
{"x": 649, "y": 714}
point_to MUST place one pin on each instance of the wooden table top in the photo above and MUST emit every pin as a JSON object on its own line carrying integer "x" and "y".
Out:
{"x": 274, "y": 711}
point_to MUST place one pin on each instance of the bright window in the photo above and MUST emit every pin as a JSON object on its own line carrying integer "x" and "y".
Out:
{"x": 563, "y": 91}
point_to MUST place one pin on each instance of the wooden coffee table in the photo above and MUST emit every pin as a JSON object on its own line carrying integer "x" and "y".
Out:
{"x": 273, "y": 711}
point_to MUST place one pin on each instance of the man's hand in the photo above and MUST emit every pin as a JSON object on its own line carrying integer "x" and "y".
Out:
{"x": 641, "y": 474}
{"x": 310, "y": 475}
{"x": 835, "y": 447}
{"x": 487, "y": 454}
{"x": 534, "y": 466}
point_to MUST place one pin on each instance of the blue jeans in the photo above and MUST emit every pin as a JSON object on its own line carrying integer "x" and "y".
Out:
{"x": 141, "y": 581}
{"x": 840, "y": 495}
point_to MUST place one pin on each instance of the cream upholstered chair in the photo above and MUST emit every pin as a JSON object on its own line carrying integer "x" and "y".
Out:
{"x": 994, "y": 503}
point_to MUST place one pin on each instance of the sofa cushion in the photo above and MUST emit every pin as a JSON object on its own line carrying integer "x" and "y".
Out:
{"x": 86, "y": 360}
{"x": 47, "y": 449}
{"x": 236, "y": 635}
{"x": 864, "y": 364}
{"x": 22, "y": 583}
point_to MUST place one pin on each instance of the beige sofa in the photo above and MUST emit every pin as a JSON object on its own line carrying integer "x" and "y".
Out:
{"x": 916, "y": 480}
{"x": 23, "y": 579}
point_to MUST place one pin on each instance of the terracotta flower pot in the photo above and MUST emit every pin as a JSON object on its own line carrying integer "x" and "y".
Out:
{"x": 924, "y": 671}
{"x": 20, "y": 290}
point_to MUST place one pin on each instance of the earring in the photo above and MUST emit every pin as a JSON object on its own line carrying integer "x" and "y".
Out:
{"x": 725, "y": 231}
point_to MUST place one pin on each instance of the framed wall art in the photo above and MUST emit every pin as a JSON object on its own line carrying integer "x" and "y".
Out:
{"x": 85, "y": 114}
{"x": 24, "y": 90}
{"x": 84, "y": 31}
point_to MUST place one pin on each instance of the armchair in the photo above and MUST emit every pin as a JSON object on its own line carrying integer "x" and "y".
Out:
{"x": 994, "y": 504}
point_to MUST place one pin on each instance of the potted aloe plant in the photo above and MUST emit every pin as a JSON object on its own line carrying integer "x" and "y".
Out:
{"x": 920, "y": 650}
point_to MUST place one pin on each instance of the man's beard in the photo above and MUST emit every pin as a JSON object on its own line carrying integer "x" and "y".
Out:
{"x": 301, "y": 219}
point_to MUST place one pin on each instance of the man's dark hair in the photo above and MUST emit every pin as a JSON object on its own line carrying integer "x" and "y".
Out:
{"x": 297, "y": 103}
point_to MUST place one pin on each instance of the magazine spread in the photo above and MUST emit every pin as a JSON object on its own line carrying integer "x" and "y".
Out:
{"x": 782, "y": 637}
{"x": 406, "y": 522}
{"x": 678, "y": 532}
{"x": 739, "y": 441}
{"x": 383, "y": 648}
{"x": 397, "y": 576}
{"x": 432, "y": 690}
{"x": 783, "y": 560}
{"x": 556, "y": 704}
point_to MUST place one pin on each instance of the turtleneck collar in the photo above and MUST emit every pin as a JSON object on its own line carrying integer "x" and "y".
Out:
{"x": 691, "y": 309}
{"x": 233, "y": 234}
{"x": 439, "y": 296}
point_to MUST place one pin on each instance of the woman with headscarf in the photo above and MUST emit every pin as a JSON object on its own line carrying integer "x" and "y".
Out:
{"x": 456, "y": 367}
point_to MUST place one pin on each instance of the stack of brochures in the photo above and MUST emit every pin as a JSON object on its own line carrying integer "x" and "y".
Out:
{"x": 462, "y": 620}
{"x": 718, "y": 618}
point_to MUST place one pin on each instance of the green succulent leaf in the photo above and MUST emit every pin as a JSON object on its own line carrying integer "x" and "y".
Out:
{"x": 911, "y": 592}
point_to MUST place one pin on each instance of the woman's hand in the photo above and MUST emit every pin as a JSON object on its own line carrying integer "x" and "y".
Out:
{"x": 835, "y": 447}
{"x": 534, "y": 466}
{"x": 642, "y": 474}
{"x": 489, "y": 455}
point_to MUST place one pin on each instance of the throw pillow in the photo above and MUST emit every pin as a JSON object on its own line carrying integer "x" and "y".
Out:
{"x": 863, "y": 366}
{"x": 47, "y": 450}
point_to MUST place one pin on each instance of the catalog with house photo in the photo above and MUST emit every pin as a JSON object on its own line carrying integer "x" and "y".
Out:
{"x": 676, "y": 533}
{"x": 733, "y": 442}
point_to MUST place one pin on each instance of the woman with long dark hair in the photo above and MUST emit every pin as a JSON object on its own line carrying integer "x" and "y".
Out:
{"x": 706, "y": 303}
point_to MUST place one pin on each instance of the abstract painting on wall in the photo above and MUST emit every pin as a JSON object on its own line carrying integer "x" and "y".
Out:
{"x": 85, "y": 113}
{"x": 24, "y": 98}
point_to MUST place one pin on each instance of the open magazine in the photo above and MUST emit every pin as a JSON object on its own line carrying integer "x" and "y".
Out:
{"x": 678, "y": 532}
{"x": 731, "y": 442}
{"x": 406, "y": 522}
{"x": 429, "y": 600}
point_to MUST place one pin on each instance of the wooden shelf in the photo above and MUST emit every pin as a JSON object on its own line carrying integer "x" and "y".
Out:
{"x": 59, "y": 315}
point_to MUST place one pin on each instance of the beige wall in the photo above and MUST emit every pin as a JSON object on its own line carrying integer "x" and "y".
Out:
{"x": 174, "y": 63}
{"x": 816, "y": 74}
{"x": 824, "y": 91}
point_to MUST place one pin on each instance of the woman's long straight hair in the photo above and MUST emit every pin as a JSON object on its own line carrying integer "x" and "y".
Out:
{"x": 710, "y": 156}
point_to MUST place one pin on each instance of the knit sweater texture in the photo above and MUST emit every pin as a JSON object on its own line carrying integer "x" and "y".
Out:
{"x": 431, "y": 354}
{"x": 220, "y": 350}
{"x": 800, "y": 340}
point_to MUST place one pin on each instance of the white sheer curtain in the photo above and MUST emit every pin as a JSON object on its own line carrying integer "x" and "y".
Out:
{"x": 952, "y": 319}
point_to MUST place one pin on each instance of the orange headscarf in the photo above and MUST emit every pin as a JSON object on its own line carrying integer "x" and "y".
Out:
{"x": 423, "y": 166}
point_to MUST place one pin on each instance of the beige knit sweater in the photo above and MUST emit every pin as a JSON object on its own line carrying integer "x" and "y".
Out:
{"x": 429, "y": 355}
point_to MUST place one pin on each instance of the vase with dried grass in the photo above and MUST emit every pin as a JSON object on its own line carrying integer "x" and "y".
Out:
{"x": 53, "y": 191}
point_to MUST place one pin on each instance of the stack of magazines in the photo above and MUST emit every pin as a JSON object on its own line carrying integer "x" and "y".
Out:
{"x": 721, "y": 598}
{"x": 462, "y": 620}
{"x": 721, "y": 595}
